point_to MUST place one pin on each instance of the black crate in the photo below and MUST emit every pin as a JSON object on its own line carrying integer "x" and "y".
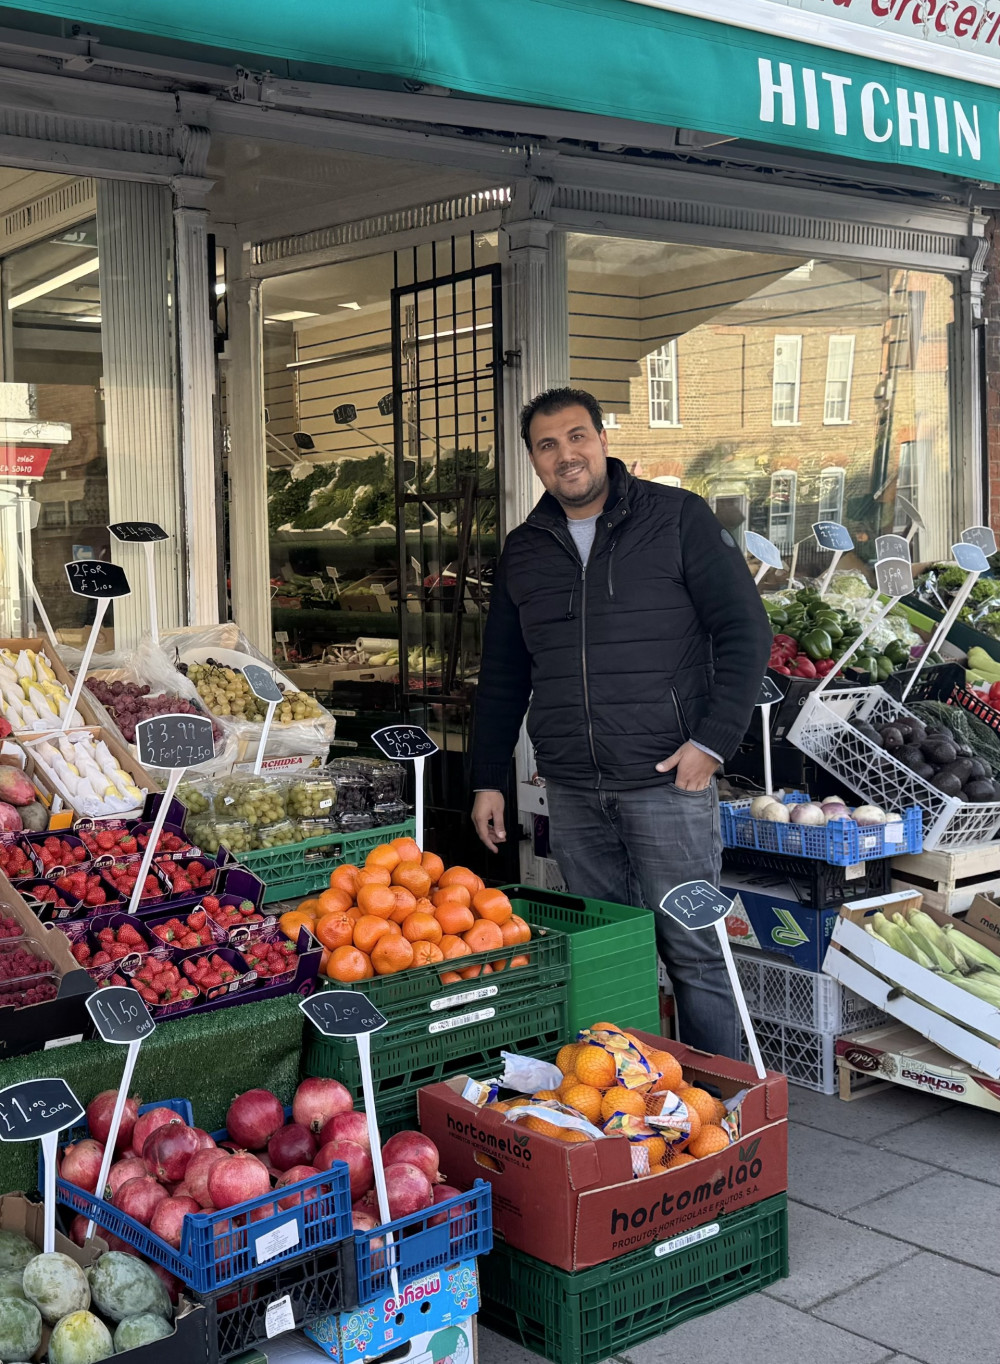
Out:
{"x": 817, "y": 885}
{"x": 316, "y": 1285}
{"x": 937, "y": 682}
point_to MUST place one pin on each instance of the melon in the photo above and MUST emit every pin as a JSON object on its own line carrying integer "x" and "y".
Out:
{"x": 34, "y": 817}
{"x": 15, "y": 788}
{"x": 56, "y": 1285}
{"x": 141, "y": 1330}
{"x": 15, "y": 1250}
{"x": 20, "y": 1328}
{"x": 10, "y": 1284}
{"x": 123, "y": 1286}
{"x": 80, "y": 1338}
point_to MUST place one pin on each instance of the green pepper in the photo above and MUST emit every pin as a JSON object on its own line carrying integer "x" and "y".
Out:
{"x": 898, "y": 652}
{"x": 778, "y": 618}
{"x": 831, "y": 625}
{"x": 807, "y": 594}
{"x": 817, "y": 644}
{"x": 866, "y": 664}
{"x": 884, "y": 667}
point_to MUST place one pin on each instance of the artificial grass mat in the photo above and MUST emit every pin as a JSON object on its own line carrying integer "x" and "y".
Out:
{"x": 208, "y": 1059}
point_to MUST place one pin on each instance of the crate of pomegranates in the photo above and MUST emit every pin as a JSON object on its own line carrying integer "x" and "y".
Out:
{"x": 211, "y": 1209}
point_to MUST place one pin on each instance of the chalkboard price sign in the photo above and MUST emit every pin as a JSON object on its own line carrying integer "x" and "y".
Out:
{"x": 832, "y": 535}
{"x": 696, "y": 904}
{"x": 342, "y": 1013}
{"x": 763, "y": 549}
{"x": 96, "y": 578}
{"x": 178, "y": 741}
{"x": 770, "y": 693}
{"x": 970, "y": 557}
{"x": 262, "y": 683}
{"x": 36, "y": 1108}
{"x": 404, "y": 741}
{"x": 892, "y": 547}
{"x": 140, "y": 532}
{"x": 981, "y": 536}
{"x": 120, "y": 1014}
{"x": 894, "y": 577}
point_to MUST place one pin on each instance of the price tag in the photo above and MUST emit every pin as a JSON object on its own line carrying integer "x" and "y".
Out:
{"x": 37, "y": 1108}
{"x": 95, "y": 578}
{"x": 981, "y": 536}
{"x": 345, "y": 413}
{"x": 770, "y": 693}
{"x": 342, "y": 1013}
{"x": 279, "y": 1317}
{"x": 892, "y": 547}
{"x": 970, "y": 557}
{"x": 140, "y": 532}
{"x": 120, "y": 1015}
{"x": 262, "y": 683}
{"x": 400, "y": 742}
{"x": 909, "y": 511}
{"x": 281, "y": 636}
{"x": 763, "y": 549}
{"x": 178, "y": 741}
{"x": 894, "y": 577}
{"x": 696, "y": 904}
{"x": 832, "y": 535}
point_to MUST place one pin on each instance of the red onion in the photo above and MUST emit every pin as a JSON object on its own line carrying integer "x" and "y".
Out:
{"x": 317, "y": 1100}
{"x": 254, "y": 1117}
{"x": 196, "y": 1175}
{"x": 81, "y": 1164}
{"x": 99, "y": 1113}
{"x": 293, "y": 1176}
{"x": 237, "y": 1179}
{"x": 168, "y": 1219}
{"x": 413, "y": 1148}
{"x": 409, "y": 1189}
{"x": 355, "y": 1157}
{"x": 139, "y": 1198}
{"x": 352, "y": 1126}
{"x": 147, "y": 1123}
{"x": 167, "y": 1151}
{"x": 291, "y": 1145}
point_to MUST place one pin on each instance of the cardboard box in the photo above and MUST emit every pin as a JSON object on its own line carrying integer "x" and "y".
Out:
{"x": 43, "y": 646}
{"x": 431, "y": 1316}
{"x": 984, "y": 917}
{"x": 38, "y": 773}
{"x": 768, "y": 915}
{"x": 905, "y": 1058}
{"x": 578, "y": 1205}
{"x": 956, "y": 1020}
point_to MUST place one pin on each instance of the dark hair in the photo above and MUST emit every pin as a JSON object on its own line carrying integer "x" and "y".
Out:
{"x": 554, "y": 400}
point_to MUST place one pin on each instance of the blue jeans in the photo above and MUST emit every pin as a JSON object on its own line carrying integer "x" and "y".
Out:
{"x": 631, "y": 847}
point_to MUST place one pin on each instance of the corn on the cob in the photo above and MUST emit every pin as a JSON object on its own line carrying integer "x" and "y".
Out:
{"x": 973, "y": 951}
{"x": 893, "y": 936}
{"x": 940, "y": 959}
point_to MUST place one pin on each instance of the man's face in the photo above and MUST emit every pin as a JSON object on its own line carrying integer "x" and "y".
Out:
{"x": 570, "y": 457}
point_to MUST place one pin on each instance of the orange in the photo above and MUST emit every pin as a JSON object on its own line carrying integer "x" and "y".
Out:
{"x": 293, "y": 920}
{"x": 394, "y": 927}
{"x": 671, "y": 1161}
{"x": 425, "y": 904}
{"x": 701, "y": 1101}
{"x": 347, "y": 963}
{"x": 454, "y": 947}
{"x": 452, "y": 895}
{"x": 422, "y": 927}
{"x": 515, "y": 931}
{"x": 406, "y": 903}
{"x": 449, "y": 977}
{"x": 522, "y": 960}
{"x": 574, "y": 1137}
{"x": 492, "y": 905}
{"x": 672, "y": 1076}
{"x": 695, "y": 1129}
{"x": 426, "y": 953}
{"x": 345, "y": 878}
{"x": 568, "y": 1081}
{"x": 374, "y": 876}
{"x": 656, "y": 1147}
{"x": 412, "y": 877}
{"x": 709, "y": 1140}
{"x": 385, "y": 855}
{"x": 455, "y": 918}
{"x": 471, "y": 972}
{"x": 546, "y": 1094}
{"x": 433, "y": 866}
{"x": 307, "y": 907}
{"x": 335, "y": 930}
{"x": 378, "y": 900}
{"x": 483, "y": 936}
{"x": 618, "y": 1099}
{"x": 500, "y": 965}
{"x": 543, "y": 1128}
{"x": 595, "y": 1066}
{"x": 460, "y": 876}
{"x": 330, "y": 901}
{"x": 391, "y": 953}
{"x": 368, "y": 930}
{"x": 604, "y": 1027}
{"x": 585, "y": 1099}
{"x": 407, "y": 848}
{"x": 566, "y": 1056}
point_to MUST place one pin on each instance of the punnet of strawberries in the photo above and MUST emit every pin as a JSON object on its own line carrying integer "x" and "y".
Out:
{"x": 114, "y": 944}
{"x": 15, "y": 862}
{"x": 125, "y": 875}
{"x": 37, "y": 891}
{"x": 59, "y": 852}
{"x": 228, "y": 916}
{"x": 208, "y": 972}
{"x": 160, "y": 982}
{"x": 193, "y": 931}
{"x": 85, "y": 886}
{"x": 168, "y": 842}
{"x": 271, "y": 958}
{"x": 117, "y": 841}
{"x": 185, "y": 877}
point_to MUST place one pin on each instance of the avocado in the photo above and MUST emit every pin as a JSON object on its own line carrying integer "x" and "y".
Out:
{"x": 940, "y": 752}
{"x": 947, "y": 783}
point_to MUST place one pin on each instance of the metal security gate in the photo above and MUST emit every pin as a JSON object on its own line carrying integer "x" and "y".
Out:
{"x": 447, "y": 372}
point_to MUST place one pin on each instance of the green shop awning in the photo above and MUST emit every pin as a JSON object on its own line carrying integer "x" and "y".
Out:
{"x": 609, "y": 57}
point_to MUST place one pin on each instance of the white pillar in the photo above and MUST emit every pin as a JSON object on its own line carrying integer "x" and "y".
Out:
{"x": 248, "y": 533}
{"x": 135, "y": 244}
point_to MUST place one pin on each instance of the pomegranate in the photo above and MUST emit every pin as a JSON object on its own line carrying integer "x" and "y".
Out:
{"x": 78, "y": 1229}
{"x": 170, "y": 1283}
{"x": 129, "y": 1167}
{"x": 99, "y": 1113}
{"x": 291, "y": 1145}
{"x": 441, "y": 1192}
{"x": 197, "y": 1172}
{"x": 149, "y": 1122}
{"x": 413, "y": 1148}
{"x": 205, "y": 1142}
{"x": 81, "y": 1164}
{"x": 363, "y": 1221}
{"x": 317, "y": 1101}
{"x": 168, "y": 1219}
{"x": 237, "y": 1179}
{"x": 355, "y": 1157}
{"x": 254, "y": 1117}
{"x": 167, "y": 1151}
{"x": 294, "y": 1176}
{"x": 352, "y": 1126}
{"x": 408, "y": 1188}
{"x": 139, "y": 1198}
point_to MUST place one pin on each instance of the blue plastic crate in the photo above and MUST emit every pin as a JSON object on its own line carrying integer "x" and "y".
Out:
{"x": 418, "y": 1247}
{"x": 842, "y": 843}
{"x": 218, "y": 1248}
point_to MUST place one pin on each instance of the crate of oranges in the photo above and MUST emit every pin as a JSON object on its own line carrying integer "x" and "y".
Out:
{"x": 421, "y": 939}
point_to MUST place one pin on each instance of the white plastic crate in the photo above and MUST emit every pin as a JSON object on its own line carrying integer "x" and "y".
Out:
{"x": 823, "y": 730}
{"x": 783, "y": 993}
{"x": 805, "y": 1056}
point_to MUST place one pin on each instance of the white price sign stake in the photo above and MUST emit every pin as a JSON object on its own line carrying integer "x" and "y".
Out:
{"x": 38, "y": 1110}
{"x": 833, "y": 536}
{"x": 697, "y": 905}
{"x": 770, "y": 695}
{"x": 409, "y": 743}
{"x": 265, "y": 688}
{"x": 103, "y": 582}
{"x": 147, "y": 534}
{"x": 912, "y": 515}
{"x": 894, "y": 579}
{"x": 972, "y": 558}
{"x": 763, "y": 549}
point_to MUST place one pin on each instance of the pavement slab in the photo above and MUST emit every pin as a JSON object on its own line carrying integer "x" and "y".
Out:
{"x": 834, "y": 1174}
{"x": 946, "y": 1213}
{"x": 863, "y": 1119}
{"x": 828, "y": 1255}
{"x": 960, "y": 1138}
{"x": 928, "y": 1308}
{"x": 494, "y": 1349}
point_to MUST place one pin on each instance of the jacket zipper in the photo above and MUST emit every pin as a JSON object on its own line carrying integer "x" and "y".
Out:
{"x": 680, "y": 717}
{"x": 583, "y": 649}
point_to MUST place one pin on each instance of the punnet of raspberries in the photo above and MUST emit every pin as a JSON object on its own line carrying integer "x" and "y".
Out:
{"x": 190, "y": 932}
{"x": 207, "y": 972}
{"x": 59, "y": 852}
{"x": 125, "y": 875}
{"x": 185, "y": 877}
{"x": 17, "y": 996}
{"x": 15, "y": 862}
{"x": 16, "y": 963}
{"x": 10, "y": 928}
{"x": 160, "y": 982}
{"x": 271, "y": 958}
{"x": 117, "y": 841}
{"x": 85, "y": 886}
{"x": 113, "y": 945}
{"x": 228, "y": 916}
{"x": 168, "y": 842}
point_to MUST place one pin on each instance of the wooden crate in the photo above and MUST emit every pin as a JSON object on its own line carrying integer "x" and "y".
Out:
{"x": 950, "y": 881}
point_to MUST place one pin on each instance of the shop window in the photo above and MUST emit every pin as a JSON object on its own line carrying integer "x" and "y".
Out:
{"x": 907, "y": 483}
{"x": 831, "y": 495}
{"x": 839, "y": 370}
{"x": 786, "y": 381}
{"x": 611, "y": 422}
{"x": 781, "y": 513}
{"x": 661, "y": 372}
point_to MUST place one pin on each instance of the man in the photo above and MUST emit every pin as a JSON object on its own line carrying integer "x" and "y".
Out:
{"x": 628, "y": 616}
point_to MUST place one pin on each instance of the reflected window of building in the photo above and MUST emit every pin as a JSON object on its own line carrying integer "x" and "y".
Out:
{"x": 839, "y": 369}
{"x": 781, "y": 510}
{"x": 787, "y": 379}
{"x": 662, "y": 369}
{"x": 831, "y": 495}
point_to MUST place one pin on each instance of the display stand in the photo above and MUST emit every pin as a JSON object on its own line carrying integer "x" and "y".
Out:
{"x": 770, "y": 695}
{"x": 38, "y": 1110}
{"x": 971, "y": 558}
{"x": 147, "y": 534}
{"x": 102, "y": 583}
{"x": 409, "y": 743}
{"x": 763, "y": 549}
{"x": 894, "y": 579}
{"x": 833, "y": 536}
{"x": 264, "y": 687}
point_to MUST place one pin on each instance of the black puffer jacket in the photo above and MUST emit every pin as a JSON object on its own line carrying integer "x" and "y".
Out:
{"x": 661, "y": 638}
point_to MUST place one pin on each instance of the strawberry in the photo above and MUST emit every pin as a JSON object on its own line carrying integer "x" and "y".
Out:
{"x": 197, "y": 920}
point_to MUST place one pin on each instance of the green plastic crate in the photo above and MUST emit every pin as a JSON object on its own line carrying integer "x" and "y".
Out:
{"x": 298, "y": 869}
{"x": 534, "y": 1026}
{"x": 585, "y": 1317}
{"x": 613, "y": 961}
